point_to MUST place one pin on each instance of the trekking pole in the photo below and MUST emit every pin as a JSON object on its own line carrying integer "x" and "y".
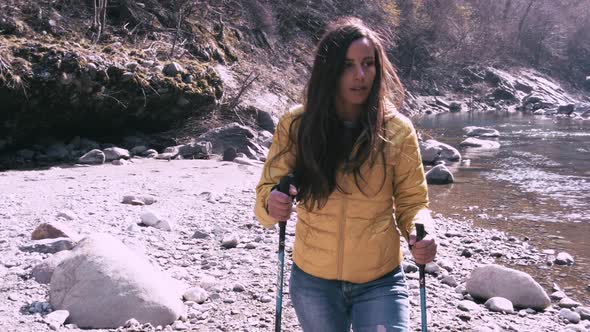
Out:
{"x": 420, "y": 234}
{"x": 284, "y": 185}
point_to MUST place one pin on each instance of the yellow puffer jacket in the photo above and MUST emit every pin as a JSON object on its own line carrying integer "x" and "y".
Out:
{"x": 354, "y": 237}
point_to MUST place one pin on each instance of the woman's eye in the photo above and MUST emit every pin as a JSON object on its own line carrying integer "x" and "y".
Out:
{"x": 369, "y": 63}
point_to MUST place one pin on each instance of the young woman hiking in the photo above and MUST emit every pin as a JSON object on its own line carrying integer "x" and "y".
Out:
{"x": 360, "y": 186}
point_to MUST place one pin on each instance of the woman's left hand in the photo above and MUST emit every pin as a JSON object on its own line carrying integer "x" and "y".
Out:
{"x": 423, "y": 251}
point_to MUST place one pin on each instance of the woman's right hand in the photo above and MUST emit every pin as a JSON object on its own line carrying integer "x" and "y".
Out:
{"x": 279, "y": 205}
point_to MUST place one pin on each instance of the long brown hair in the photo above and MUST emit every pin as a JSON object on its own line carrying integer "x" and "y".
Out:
{"x": 319, "y": 131}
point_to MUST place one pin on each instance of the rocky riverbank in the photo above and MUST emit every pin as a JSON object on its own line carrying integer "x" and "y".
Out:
{"x": 204, "y": 235}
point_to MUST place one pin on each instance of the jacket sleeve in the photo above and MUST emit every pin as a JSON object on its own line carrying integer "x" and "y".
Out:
{"x": 272, "y": 173}
{"x": 410, "y": 192}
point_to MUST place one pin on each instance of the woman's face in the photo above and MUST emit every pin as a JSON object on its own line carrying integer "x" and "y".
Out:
{"x": 357, "y": 78}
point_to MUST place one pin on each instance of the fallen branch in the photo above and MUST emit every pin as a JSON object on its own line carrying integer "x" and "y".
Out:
{"x": 235, "y": 101}
{"x": 115, "y": 99}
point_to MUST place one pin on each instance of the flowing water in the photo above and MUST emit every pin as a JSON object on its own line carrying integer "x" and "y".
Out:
{"x": 537, "y": 185}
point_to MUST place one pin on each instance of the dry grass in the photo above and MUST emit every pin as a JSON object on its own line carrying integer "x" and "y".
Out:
{"x": 7, "y": 75}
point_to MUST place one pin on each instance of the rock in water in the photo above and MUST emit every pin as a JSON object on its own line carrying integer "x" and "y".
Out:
{"x": 103, "y": 284}
{"x": 439, "y": 174}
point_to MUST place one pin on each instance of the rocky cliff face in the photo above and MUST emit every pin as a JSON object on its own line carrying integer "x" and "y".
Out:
{"x": 69, "y": 69}
{"x": 66, "y": 89}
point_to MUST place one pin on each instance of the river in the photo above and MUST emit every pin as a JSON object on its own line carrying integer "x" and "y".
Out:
{"x": 537, "y": 185}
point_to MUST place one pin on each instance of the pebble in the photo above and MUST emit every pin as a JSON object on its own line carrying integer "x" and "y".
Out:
{"x": 469, "y": 306}
{"x": 568, "y": 303}
{"x": 499, "y": 304}
{"x": 229, "y": 241}
{"x": 584, "y": 312}
{"x": 49, "y": 246}
{"x": 563, "y": 258}
{"x": 239, "y": 287}
{"x": 432, "y": 268}
{"x": 449, "y": 281}
{"x": 409, "y": 267}
{"x": 557, "y": 295}
{"x": 56, "y": 318}
{"x": 179, "y": 326}
{"x": 200, "y": 235}
{"x": 570, "y": 316}
{"x": 466, "y": 253}
{"x": 196, "y": 294}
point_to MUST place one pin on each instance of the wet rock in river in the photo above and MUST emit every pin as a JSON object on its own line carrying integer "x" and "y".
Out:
{"x": 565, "y": 109}
{"x": 439, "y": 174}
{"x": 563, "y": 258}
{"x": 432, "y": 151}
{"x": 480, "y": 143}
{"x": 473, "y": 131}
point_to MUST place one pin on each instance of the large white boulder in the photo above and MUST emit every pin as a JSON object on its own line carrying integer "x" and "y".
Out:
{"x": 103, "y": 283}
{"x": 497, "y": 281}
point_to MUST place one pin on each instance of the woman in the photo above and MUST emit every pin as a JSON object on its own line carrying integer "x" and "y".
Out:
{"x": 360, "y": 183}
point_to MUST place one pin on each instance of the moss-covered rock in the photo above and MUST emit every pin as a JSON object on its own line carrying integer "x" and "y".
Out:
{"x": 71, "y": 90}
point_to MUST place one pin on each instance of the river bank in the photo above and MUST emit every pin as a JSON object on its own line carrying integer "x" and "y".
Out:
{"x": 216, "y": 199}
{"x": 535, "y": 185}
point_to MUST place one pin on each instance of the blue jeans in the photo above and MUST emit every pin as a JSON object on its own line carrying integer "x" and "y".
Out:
{"x": 322, "y": 305}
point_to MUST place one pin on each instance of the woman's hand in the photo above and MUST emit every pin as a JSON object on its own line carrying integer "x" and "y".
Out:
{"x": 279, "y": 205}
{"x": 423, "y": 251}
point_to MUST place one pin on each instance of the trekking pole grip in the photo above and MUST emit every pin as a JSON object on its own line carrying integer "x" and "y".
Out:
{"x": 420, "y": 232}
{"x": 285, "y": 183}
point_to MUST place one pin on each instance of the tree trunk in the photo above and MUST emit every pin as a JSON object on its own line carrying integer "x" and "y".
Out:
{"x": 522, "y": 20}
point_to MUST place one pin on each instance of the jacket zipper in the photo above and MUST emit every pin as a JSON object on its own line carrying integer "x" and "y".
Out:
{"x": 341, "y": 236}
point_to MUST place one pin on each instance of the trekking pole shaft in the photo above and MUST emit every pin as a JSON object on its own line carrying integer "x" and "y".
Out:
{"x": 279, "y": 307}
{"x": 420, "y": 234}
{"x": 284, "y": 186}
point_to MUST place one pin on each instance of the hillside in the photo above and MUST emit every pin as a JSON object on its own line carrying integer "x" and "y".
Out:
{"x": 175, "y": 68}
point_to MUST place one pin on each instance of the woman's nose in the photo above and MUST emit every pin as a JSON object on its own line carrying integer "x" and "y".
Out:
{"x": 359, "y": 73}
